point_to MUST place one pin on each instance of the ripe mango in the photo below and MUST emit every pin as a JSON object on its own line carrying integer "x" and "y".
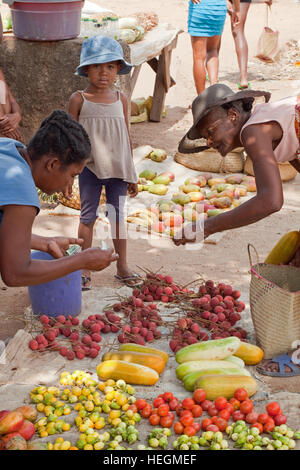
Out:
{"x": 250, "y": 186}
{"x": 211, "y": 194}
{"x": 11, "y": 422}
{"x": 227, "y": 193}
{"x": 158, "y": 155}
{"x": 166, "y": 207}
{"x": 169, "y": 174}
{"x": 161, "y": 179}
{"x": 171, "y": 219}
{"x": 189, "y": 188}
{"x": 197, "y": 180}
{"x": 213, "y": 212}
{"x": 189, "y": 214}
{"x": 159, "y": 189}
{"x": 196, "y": 196}
{"x": 213, "y": 181}
{"x": 242, "y": 189}
{"x": 222, "y": 202}
{"x": 27, "y": 430}
{"x": 181, "y": 199}
{"x": 29, "y": 412}
{"x": 148, "y": 174}
{"x": 234, "y": 179}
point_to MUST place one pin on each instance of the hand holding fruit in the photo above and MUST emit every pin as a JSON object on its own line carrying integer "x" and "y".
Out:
{"x": 132, "y": 189}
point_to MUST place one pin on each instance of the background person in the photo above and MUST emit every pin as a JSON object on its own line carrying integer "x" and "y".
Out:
{"x": 206, "y": 19}
{"x": 241, "y": 45}
{"x": 54, "y": 156}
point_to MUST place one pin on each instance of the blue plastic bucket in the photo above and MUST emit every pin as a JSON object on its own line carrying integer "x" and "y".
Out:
{"x": 59, "y": 297}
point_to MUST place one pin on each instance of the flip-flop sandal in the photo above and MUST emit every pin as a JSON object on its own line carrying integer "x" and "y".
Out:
{"x": 84, "y": 281}
{"x": 130, "y": 281}
{"x": 244, "y": 87}
{"x": 282, "y": 360}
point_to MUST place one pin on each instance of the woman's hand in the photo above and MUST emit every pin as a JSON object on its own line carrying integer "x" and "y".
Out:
{"x": 97, "y": 259}
{"x": 9, "y": 122}
{"x": 57, "y": 246}
{"x": 132, "y": 189}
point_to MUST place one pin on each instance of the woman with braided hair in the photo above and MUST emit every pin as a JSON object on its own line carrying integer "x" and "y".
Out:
{"x": 54, "y": 156}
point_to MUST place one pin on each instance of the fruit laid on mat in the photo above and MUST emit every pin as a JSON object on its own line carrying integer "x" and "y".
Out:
{"x": 199, "y": 197}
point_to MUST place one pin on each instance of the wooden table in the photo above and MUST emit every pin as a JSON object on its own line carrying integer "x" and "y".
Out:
{"x": 155, "y": 50}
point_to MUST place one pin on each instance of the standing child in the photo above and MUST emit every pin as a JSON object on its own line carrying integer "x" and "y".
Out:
{"x": 103, "y": 112}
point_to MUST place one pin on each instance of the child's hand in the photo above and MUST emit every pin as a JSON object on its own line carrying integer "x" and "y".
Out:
{"x": 9, "y": 122}
{"x": 132, "y": 189}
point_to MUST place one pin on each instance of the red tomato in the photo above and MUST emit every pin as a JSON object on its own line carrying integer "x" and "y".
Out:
{"x": 220, "y": 403}
{"x": 196, "y": 411}
{"x": 252, "y": 417}
{"x": 146, "y": 412}
{"x": 238, "y": 415}
{"x": 212, "y": 427}
{"x": 221, "y": 423}
{"x": 269, "y": 425}
{"x": 186, "y": 420}
{"x": 280, "y": 419}
{"x": 229, "y": 408}
{"x": 178, "y": 427}
{"x": 206, "y": 404}
{"x": 225, "y": 414}
{"x": 205, "y": 422}
{"x": 235, "y": 403}
{"x": 199, "y": 395}
{"x": 212, "y": 410}
{"x": 263, "y": 418}
{"x": 140, "y": 403}
{"x": 258, "y": 426}
{"x": 187, "y": 403}
{"x": 197, "y": 426}
{"x": 273, "y": 408}
{"x": 163, "y": 410}
{"x": 173, "y": 404}
{"x": 185, "y": 413}
{"x": 154, "y": 420}
{"x": 158, "y": 401}
{"x": 154, "y": 411}
{"x": 178, "y": 409}
{"x": 166, "y": 421}
{"x": 214, "y": 419}
{"x": 168, "y": 396}
{"x": 241, "y": 394}
{"x": 189, "y": 431}
{"x": 246, "y": 406}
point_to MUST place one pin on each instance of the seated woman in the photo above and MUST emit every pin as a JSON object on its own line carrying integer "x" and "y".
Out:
{"x": 54, "y": 156}
{"x": 270, "y": 134}
{"x": 10, "y": 112}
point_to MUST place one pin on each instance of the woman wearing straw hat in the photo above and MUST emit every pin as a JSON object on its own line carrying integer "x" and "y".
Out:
{"x": 270, "y": 134}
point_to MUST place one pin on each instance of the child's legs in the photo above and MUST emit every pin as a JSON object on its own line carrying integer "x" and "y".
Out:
{"x": 90, "y": 189}
{"x": 212, "y": 58}
{"x": 241, "y": 45}
{"x": 116, "y": 190}
{"x": 199, "y": 58}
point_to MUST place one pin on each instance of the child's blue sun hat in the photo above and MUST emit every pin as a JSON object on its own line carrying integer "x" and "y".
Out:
{"x": 99, "y": 50}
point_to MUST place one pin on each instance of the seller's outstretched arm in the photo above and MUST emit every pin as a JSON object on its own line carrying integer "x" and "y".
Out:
{"x": 16, "y": 266}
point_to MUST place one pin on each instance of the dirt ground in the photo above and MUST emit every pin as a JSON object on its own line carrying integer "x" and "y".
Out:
{"x": 228, "y": 259}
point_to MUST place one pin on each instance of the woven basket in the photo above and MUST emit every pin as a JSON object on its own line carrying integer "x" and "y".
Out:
{"x": 211, "y": 161}
{"x": 286, "y": 170}
{"x": 74, "y": 201}
{"x": 275, "y": 306}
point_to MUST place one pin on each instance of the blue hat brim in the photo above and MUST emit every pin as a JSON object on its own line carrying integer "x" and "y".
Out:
{"x": 102, "y": 59}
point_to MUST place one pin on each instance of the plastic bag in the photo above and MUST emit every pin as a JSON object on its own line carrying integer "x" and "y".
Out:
{"x": 268, "y": 46}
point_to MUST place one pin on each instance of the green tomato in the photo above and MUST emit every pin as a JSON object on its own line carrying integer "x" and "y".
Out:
{"x": 277, "y": 444}
{"x": 203, "y": 442}
{"x": 195, "y": 447}
{"x": 292, "y": 444}
{"x": 297, "y": 435}
{"x": 167, "y": 432}
{"x": 184, "y": 447}
{"x": 153, "y": 442}
{"x": 163, "y": 442}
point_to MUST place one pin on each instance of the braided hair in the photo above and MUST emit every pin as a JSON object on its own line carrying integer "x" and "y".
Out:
{"x": 62, "y": 136}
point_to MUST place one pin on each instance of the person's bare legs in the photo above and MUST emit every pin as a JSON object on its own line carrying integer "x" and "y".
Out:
{"x": 241, "y": 45}
{"x": 212, "y": 58}
{"x": 85, "y": 231}
{"x": 199, "y": 58}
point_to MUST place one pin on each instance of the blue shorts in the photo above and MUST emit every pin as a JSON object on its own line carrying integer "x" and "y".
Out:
{"x": 90, "y": 188}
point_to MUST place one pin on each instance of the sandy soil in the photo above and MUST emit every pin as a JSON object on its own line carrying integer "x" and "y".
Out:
{"x": 228, "y": 259}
